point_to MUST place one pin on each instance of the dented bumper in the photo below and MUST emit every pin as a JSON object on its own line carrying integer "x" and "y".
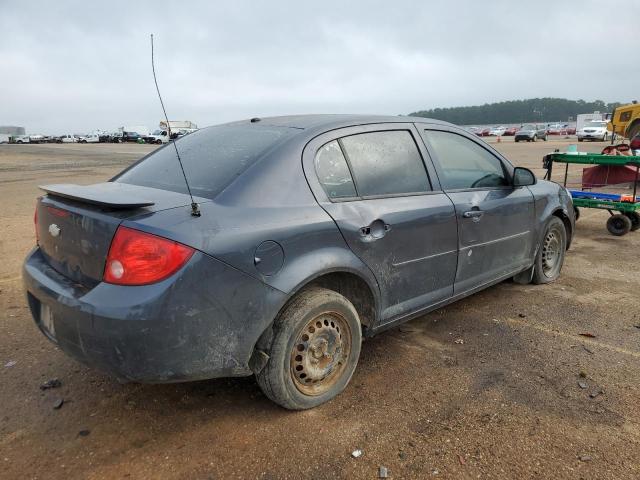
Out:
{"x": 201, "y": 322}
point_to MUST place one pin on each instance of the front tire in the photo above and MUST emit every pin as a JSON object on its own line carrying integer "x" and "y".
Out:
{"x": 315, "y": 350}
{"x": 551, "y": 253}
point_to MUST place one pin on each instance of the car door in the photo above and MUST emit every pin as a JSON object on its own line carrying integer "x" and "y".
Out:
{"x": 374, "y": 182}
{"x": 495, "y": 220}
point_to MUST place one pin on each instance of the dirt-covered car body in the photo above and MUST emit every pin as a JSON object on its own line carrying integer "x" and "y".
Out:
{"x": 385, "y": 210}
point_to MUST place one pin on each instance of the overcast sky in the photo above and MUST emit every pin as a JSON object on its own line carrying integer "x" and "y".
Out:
{"x": 71, "y": 67}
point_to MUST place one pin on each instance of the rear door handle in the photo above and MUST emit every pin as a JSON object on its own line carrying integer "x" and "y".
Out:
{"x": 473, "y": 214}
{"x": 377, "y": 229}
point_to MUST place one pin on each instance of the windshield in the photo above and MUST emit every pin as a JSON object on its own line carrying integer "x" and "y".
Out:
{"x": 528, "y": 127}
{"x": 212, "y": 158}
{"x": 596, "y": 125}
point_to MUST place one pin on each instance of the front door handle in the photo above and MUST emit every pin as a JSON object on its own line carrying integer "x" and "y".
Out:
{"x": 473, "y": 214}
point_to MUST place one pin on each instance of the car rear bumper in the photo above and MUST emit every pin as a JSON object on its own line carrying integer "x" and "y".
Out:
{"x": 202, "y": 322}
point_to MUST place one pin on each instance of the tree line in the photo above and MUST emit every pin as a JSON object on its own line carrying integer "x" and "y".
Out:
{"x": 518, "y": 111}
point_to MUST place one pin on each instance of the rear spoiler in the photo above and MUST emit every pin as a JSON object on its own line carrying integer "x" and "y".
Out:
{"x": 107, "y": 194}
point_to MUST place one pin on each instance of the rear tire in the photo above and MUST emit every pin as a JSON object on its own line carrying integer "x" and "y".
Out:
{"x": 635, "y": 220}
{"x": 315, "y": 350}
{"x": 619, "y": 224}
{"x": 551, "y": 253}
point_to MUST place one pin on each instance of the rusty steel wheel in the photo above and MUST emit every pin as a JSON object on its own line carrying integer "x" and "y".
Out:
{"x": 314, "y": 351}
{"x": 320, "y": 352}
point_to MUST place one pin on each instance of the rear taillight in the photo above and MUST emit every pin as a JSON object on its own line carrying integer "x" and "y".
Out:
{"x": 139, "y": 258}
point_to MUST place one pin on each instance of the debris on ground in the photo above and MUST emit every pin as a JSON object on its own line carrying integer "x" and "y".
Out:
{"x": 383, "y": 472}
{"x": 356, "y": 453}
{"x": 459, "y": 341}
{"x": 637, "y": 326}
{"x": 583, "y": 385}
{"x": 10, "y": 363}
{"x": 587, "y": 334}
{"x": 58, "y": 403}
{"x": 84, "y": 433}
{"x": 52, "y": 383}
{"x": 584, "y": 458}
{"x": 596, "y": 393}
{"x": 583, "y": 374}
{"x": 461, "y": 459}
{"x": 587, "y": 349}
{"x": 522, "y": 315}
{"x": 435, "y": 471}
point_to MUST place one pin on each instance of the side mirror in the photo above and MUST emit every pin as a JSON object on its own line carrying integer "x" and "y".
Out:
{"x": 523, "y": 177}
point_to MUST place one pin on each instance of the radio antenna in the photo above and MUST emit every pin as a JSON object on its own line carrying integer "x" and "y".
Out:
{"x": 195, "y": 208}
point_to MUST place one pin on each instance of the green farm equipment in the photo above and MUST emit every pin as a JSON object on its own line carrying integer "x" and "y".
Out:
{"x": 627, "y": 207}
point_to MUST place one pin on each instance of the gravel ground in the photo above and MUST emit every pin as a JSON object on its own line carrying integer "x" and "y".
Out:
{"x": 499, "y": 385}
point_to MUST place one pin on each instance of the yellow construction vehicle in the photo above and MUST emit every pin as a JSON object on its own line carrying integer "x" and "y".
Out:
{"x": 625, "y": 120}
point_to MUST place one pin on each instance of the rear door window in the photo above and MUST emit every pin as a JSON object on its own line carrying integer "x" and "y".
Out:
{"x": 386, "y": 163}
{"x": 213, "y": 158}
{"x": 465, "y": 164}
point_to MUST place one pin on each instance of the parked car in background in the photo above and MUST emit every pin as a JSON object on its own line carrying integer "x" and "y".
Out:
{"x": 130, "y": 137}
{"x": 36, "y": 139}
{"x": 125, "y": 278}
{"x": 21, "y": 139}
{"x": 90, "y": 138}
{"x": 485, "y": 132}
{"x": 497, "y": 131}
{"x": 68, "y": 139}
{"x": 557, "y": 129}
{"x": 595, "y": 130}
{"x": 510, "y": 131}
{"x": 531, "y": 132}
{"x": 158, "y": 137}
{"x": 571, "y": 130}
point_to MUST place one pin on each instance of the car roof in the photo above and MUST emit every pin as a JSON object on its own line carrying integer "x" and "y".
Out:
{"x": 331, "y": 121}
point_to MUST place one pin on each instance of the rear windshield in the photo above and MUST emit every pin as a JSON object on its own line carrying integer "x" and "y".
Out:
{"x": 212, "y": 157}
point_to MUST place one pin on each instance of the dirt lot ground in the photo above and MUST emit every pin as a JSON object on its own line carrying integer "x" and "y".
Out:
{"x": 504, "y": 404}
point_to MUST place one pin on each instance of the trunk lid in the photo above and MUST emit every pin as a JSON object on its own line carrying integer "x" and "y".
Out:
{"x": 75, "y": 224}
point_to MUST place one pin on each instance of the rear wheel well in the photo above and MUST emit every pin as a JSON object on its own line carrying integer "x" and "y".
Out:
{"x": 347, "y": 284}
{"x": 354, "y": 289}
{"x": 567, "y": 225}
